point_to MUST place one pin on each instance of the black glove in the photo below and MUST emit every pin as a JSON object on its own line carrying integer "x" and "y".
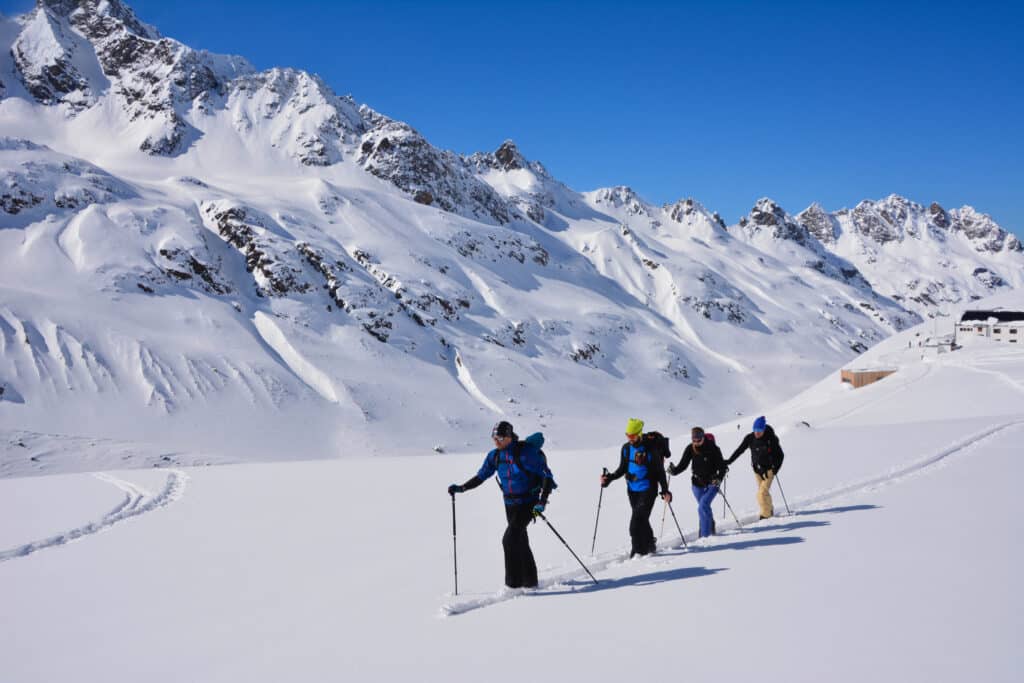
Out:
{"x": 455, "y": 488}
{"x": 672, "y": 470}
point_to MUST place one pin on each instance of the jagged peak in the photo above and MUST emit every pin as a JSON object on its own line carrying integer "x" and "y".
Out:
{"x": 618, "y": 194}
{"x": 767, "y": 205}
{"x": 509, "y": 156}
{"x": 819, "y": 223}
{"x": 689, "y": 211}
{"x": 101, "y": 9}
{"x": 769, "y": 216}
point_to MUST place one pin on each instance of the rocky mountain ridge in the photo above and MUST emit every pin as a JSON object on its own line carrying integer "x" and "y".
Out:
{"x": 252, "y": 237}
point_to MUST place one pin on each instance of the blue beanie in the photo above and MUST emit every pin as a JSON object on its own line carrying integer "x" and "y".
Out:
{"x": 760, "y": 423}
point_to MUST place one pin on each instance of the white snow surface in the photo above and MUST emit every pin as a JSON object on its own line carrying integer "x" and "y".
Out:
{"x": 897, "y": 561}
{"x": 201, "y": 264}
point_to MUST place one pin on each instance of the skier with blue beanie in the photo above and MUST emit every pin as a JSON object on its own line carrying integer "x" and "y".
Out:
{"x": 525, "y": 482}
{"x": 765, "y": 457}
{"x": 642, "y": 461}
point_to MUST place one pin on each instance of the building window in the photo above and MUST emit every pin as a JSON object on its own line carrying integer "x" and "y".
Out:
{"x": 997, "y": 331}
{"x": 1013, "y": 331}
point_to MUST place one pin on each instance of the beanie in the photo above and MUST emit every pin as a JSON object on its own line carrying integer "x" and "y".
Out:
{"x": 502, "y": 429}
{"x": 760, "y": 423}
{"x": 634, "y": 426}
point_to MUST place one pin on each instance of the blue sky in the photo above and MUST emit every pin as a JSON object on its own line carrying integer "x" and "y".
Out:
{"x": 723, "y": 101}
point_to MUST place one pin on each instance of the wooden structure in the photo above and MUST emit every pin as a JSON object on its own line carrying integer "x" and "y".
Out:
{"x": 860, "y": 378}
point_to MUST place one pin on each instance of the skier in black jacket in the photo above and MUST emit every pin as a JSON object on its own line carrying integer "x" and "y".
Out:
{"x": 642, "y": 461}
{"x": 708, "y": 471}
{"x": 766, "y": 458}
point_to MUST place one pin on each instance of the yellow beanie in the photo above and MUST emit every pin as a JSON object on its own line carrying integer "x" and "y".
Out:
{"x": 634, "y": 426}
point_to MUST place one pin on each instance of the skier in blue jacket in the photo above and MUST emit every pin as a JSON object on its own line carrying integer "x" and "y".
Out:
{"x": 525, "y": 482}
{"x": 642, "y": 462}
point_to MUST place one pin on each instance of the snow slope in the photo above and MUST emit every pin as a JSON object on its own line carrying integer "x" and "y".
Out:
{"x": 898, "y": 562}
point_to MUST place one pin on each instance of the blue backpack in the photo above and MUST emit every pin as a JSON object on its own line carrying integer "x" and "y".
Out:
{"x": 535, "y": 441}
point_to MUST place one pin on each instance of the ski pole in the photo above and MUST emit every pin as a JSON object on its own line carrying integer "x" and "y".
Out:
{"x": 731, "y": 510}
{"x": 676, "y": 520}
{"x": 541, "y": 515}
{"x": 600, "y": 495}
{"x": 723, "y": 497}
{"x": 664, "y": 508}
{"x": 788, "y": 511}
{"x": 455, "y": 549}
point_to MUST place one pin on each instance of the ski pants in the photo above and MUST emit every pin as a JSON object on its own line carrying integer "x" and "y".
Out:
{"x": 520, "y": 568}
{"x": 704, "y": 496}
{"x": 764, "y": 492}
{"x": 640, "y": 532}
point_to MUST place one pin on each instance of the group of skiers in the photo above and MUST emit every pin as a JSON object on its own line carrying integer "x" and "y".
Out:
{"x": 644, "y": 461}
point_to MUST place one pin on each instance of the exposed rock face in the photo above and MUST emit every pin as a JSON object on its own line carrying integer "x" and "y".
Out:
{"x": 938, "y": 216}
{"x": 508, "y": 157}
{"x": 392, "y": 150}
{"x": 769, "y": 216}
{"x": 45, "y": 182}
{"x": 535, "y": 197}
{"x": 983, "y": 232}
{"x": 819, "y": 223}
{"x": 44, "y": 54}
{"x": 623, "y": 196}
{"x": 155, "y": 79}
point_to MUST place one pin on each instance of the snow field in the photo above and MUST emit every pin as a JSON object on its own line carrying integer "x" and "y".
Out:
{"x": 897, "y": 562}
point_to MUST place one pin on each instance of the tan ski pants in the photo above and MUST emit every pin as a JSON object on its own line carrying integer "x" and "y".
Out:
{"x": 764, "y": 493}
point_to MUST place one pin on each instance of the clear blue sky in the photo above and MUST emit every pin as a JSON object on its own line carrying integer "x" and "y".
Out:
{"x": 723, "y": 101}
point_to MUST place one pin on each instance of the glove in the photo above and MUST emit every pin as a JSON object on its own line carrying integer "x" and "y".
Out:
{"x": 455, "y": 488}
{"x": 672, "y": 470}
{"x": 538, "y": 509}
{"x": 605, "y": 481}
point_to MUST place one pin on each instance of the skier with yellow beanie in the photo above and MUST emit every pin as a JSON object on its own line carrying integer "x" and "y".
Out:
{"x": 642, "y": 461}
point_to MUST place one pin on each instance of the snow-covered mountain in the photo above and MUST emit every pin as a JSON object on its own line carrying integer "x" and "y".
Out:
{"x": 210, "y": 249}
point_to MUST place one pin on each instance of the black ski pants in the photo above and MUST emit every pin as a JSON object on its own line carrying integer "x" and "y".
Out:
{"x": 640, "y": 531}
{"x": 520, "y": 569}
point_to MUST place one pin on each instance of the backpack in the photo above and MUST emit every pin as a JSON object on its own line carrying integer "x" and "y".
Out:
{"x": 654, "y": 443}
{"x": 535, "y": 440}
{"x": 658, "y": 442}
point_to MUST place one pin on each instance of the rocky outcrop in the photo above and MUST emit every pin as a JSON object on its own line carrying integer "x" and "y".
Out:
{"x": 767, "y": 216}
{"x": 819, "y": 223}
{"x": 44, "y": 56}
{"x": 622, "y": 197}
{"x": 983, "y": 232}
{"x": 42, "y": 181}
{"x": 395, "y": 152}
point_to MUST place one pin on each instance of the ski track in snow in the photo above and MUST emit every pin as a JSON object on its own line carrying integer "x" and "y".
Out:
{"x": 577, "y": 580}
{"x": 137, "y": 501}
